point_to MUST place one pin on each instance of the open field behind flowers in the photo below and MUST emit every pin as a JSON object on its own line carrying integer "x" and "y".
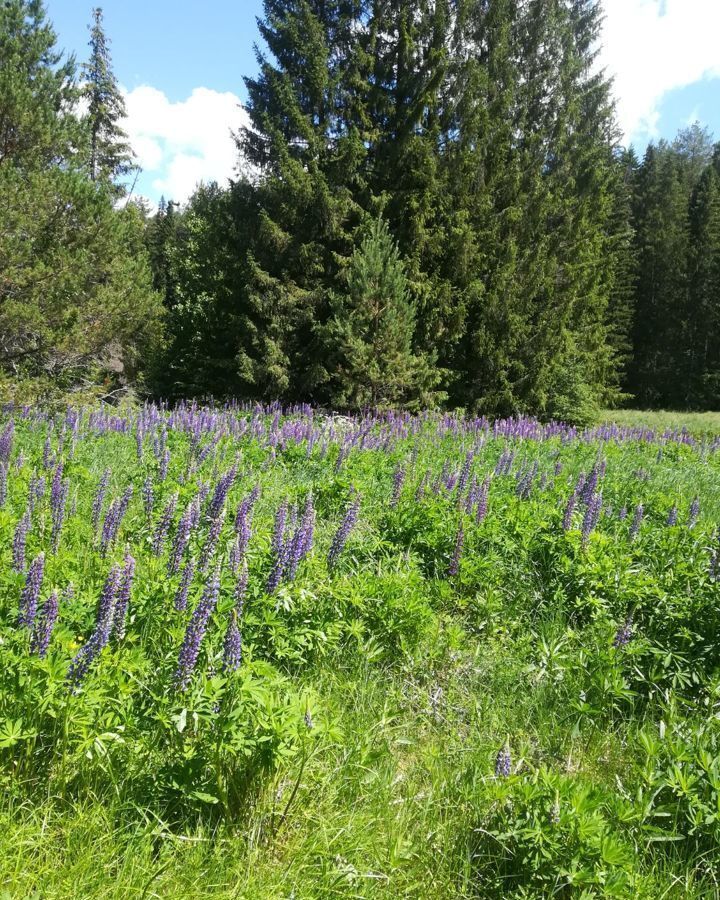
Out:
{"x": 271, "y": 653}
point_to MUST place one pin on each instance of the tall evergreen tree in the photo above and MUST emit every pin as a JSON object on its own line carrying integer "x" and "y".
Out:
{"x": 109, "y": 153}
{"x": 305, "y": 209}
{"x": 372, "y": 331}
{"x": 37, "y": 89}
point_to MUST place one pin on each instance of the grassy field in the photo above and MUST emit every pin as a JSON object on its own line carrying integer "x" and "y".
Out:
{"x": 662, "y": 420}
{"x": 260, "y": 655}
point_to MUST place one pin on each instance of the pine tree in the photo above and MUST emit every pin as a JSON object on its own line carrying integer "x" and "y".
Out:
{"x": 372, "y": 331}
{"x": 109, "y": 154}
{"x": 37, "y": 89}
{"x": 75, "y": 292}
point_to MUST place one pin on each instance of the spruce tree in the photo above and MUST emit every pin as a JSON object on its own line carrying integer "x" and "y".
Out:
{"x": 304, "y": 208}
{"x": 109, "y": 154}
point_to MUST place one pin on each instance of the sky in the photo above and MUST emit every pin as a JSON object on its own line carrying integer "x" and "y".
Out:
{"x": 181, "y": 65}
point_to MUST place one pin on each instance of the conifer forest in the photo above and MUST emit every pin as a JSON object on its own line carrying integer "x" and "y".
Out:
{"x": 336, "y": 557}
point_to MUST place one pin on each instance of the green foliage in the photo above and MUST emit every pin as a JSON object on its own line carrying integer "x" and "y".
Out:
{"x": 76, "y": 305}
{"x": 75, "y": 292}
{"x": 509, "y": 214}
{"x": 371, "y": 334}
{"x": 37, "y": 89}
{"x": 676, "y": 224}
{"x": 110, "y": 156}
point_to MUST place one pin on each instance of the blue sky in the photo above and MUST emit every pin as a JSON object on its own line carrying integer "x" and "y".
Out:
{"x": 182, "y": 63}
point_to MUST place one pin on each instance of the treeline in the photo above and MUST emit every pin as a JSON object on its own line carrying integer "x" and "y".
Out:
{"x": 433, "y": 208}
{"x": 675, "y": 213}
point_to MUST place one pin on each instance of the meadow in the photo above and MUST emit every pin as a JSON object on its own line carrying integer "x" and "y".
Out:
{"x": 271, "y": 653}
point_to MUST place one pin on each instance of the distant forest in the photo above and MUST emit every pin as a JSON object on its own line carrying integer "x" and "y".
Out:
{"x": 434, "y": 208}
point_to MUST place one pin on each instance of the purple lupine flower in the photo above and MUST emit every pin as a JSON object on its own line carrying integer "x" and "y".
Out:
{"x": 31, "y": 592}
{"x": 123, "y": 597}
{"x": 44, "y": 624}
{"x": 294, "y": 552}
{"x": 243, "y": 520}
{"x": 181, "y": 597}
{"x": 211, "y": 541}
{"x": 278, "y": 537}
{"x": 624, "y": 634}
{"x": 558, "y": 468}
{"x": 221, "y": 492}
{"x": 195, "y": 513}
{"x": 580, "y": 484}
{"x": 20, "y": 541}
{"x": 622, "y": 514}
{"x": 3, "y": 483}
{"x": 714, "y": 566}
{"x": 235, "y": 556}
{"x": 182, "y": 539}
{"x": 58, "y": 499}
{"x": 482, "y": 503}
{"x": 232, "y": 645}
{"x": 591, "y": 517}
{"x": 113, "y": 519}
{"x": 398, "y": 481}
{"x": 195, "y": 632}
{"x": 110, "y": 526}
{"x": 100, "y": 498}
{"x": 472, "y": 496}
{"x": 637, "y": 521}
{"x": 148, "y": 496}
{"x": 58, "y": 514}
{"x": 6, "y": 442}
{"x": 278, "y": 567}
{"x": 672, "y": 516}
{"x": 465, "y": 473}
{"x": 694, "y": 513}
{"x": 503, "y": 762}
{"x": 454, "y": 566}
{"x": 343, "y": 533}
{"x": 39, "y": 490}
{"x": 422, "y": 486}
{"x": 340, "y": 459}
{"x": 241, "y": 587}
{"x": 307, "y": 527}
{"x": 98, "y": 640}
{"x": 569, "y": 510}
{"x": 202, "y": 493}
{"x": 590, "y": 485}
{"x": 164, "y": 463}
{"x": 163, "y": 526}
{"x": 48, "y": 458}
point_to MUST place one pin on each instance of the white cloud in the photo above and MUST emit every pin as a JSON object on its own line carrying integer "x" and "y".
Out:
{"x": 181, "y": 144}
{"x": 654, "y": 46}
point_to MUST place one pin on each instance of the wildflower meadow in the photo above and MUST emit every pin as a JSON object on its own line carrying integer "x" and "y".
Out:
{"x": 270, "y": 652}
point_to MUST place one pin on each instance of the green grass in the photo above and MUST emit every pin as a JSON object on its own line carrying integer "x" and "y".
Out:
{"x": 662, "y": 420}
{"x": 354, "y": 752}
